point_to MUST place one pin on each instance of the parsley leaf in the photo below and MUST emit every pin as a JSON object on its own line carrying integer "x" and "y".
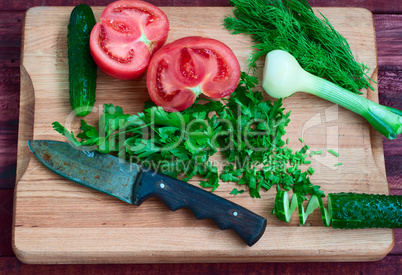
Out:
{"x": 70, "y": 136}
{"x": 236, "y": 192}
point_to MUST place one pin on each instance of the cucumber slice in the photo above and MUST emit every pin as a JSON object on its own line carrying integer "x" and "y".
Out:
{"x": 326, "y": 215}
{"x": 283, "y": 209}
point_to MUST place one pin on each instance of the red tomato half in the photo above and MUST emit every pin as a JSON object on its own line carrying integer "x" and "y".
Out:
{"x": 128, "y": 34}
{"x": 183, "y": 69}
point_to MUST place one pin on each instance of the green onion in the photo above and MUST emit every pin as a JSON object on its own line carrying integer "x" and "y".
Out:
{"x": 301, "y": 140}
{"x": 333, "y": 152}
{"x": 283, "y": 76}
{"x": 315, "y": 153}
{"x": 338, "y": 164}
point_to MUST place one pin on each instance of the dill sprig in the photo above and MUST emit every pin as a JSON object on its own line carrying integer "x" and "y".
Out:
{"x": 292, "y": 26}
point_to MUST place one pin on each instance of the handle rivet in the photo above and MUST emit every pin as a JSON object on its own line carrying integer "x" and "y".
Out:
{"x": 235, "y": 214}
{"x": 162, "y": 185}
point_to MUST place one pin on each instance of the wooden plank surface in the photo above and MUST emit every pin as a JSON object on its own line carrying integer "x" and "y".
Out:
{"x": 9, "y": 106}
{"x": 389, "y": 33}
{"x": 6, "y": 204}
{"x": 389, "y": 265}
{"x": 394, "y": 6}
{"x": 60, "y": 214}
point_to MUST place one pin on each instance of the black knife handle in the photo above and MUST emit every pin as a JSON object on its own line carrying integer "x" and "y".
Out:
{"x": 205, "y": 205}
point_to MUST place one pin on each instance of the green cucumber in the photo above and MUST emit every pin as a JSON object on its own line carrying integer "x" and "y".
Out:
{"x": 82, "y": 68}
{"x": 345, "y": 210}
{"x": 351, "y": 210}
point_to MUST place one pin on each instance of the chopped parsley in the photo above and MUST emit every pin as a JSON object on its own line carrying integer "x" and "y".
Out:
{"x": 245, "y": 129}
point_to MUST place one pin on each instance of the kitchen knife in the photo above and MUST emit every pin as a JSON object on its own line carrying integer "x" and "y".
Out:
{"x": 134, "y": 184}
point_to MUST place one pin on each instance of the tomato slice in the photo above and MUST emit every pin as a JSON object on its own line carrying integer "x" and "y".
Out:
{"x": 128, "y": 33}
{"x": 180, "y": 71}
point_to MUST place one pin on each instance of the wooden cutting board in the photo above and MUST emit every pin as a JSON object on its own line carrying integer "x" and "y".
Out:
{"x": 57, "y": 221}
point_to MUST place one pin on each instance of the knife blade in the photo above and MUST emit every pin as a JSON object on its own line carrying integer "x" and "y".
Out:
{"x": 134, "y": 184}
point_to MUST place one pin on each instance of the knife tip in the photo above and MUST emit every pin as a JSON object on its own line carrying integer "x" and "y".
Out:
{"x": 29, "y": 144}
{"x": 33, "y": 143}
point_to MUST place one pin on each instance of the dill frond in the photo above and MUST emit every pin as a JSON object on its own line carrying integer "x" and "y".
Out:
{"x": 292, "y": 26}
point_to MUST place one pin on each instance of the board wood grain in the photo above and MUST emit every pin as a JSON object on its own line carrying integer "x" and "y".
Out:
{"x": 57, "y": 221}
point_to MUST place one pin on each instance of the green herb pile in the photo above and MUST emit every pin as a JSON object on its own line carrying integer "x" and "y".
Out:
{"x": 292, "y": 26}
{"x": 246, "y": 130}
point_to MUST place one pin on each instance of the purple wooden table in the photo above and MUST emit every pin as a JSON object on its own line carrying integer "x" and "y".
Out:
{"x": 388, "y": 26}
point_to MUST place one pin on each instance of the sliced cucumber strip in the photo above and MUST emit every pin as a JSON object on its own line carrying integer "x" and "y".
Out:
{"x": 283, "y": 209}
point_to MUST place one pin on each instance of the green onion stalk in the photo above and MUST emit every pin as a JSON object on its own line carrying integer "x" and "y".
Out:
{"x": 283, "y": 76}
